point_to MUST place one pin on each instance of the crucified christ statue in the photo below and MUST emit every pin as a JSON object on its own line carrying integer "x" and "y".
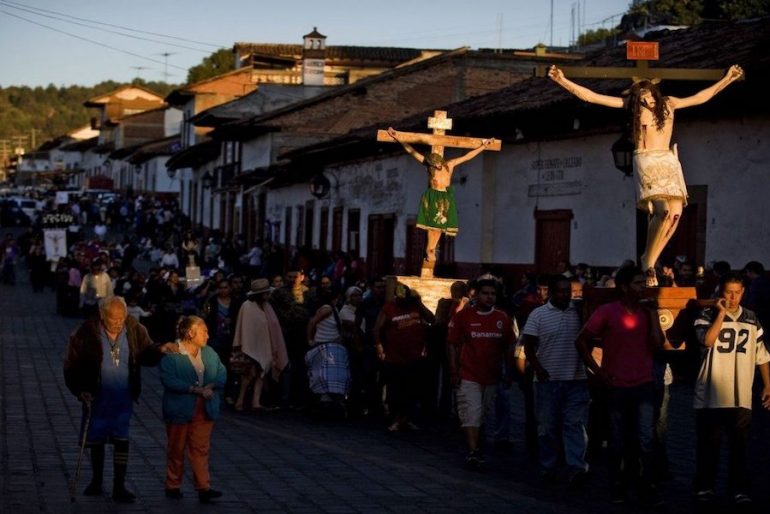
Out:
{"x": 437, "y": 213}
{"x": 659, "y": 180}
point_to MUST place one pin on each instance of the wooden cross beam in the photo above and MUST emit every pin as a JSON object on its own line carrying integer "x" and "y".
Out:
{"x": 438, "y": 140}
{"x": 642, "y": 52}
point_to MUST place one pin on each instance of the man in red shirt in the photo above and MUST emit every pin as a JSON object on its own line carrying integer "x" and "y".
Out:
{"x": 479, "y": 339}
{"x": 629, "y": 332}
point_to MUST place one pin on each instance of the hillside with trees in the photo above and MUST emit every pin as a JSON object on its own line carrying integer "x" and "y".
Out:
{"x": 44, "y": 113}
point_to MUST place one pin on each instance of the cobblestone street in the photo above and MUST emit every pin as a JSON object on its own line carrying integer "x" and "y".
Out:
{"x": 282, "y": 461}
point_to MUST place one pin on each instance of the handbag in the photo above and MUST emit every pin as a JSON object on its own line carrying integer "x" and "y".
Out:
{"x": 239, "y": 362}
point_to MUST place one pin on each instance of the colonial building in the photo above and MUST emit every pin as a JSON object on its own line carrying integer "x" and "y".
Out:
{"x": 553, "y": 192}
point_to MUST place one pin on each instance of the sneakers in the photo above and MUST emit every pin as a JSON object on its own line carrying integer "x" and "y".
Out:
{"x": 399, "y": 426}
{"x": 650, "y": 497}
{"x": 578, "y": 479}
{"x": 548, "y": 477}
{"x": 93, "y": 489}
{"x": 174, "y": 494}
{"x": 474, "y": 460}
{"x": 208, "y": 495}
{"x": 617, "y": 493}
{"x": 705, "y": 496}
{"x": 123, "y": 495}
{"x": 742, "y": 499}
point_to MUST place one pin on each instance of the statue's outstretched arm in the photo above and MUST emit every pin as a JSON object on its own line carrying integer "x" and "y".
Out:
{"x": 470, "y": 155}
{"x": 409, "y": 148}
{"x": 733, "y": 73}
{"x": 581, "y": 92}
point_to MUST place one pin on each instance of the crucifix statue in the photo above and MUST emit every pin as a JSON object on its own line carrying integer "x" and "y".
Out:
{"x": 437, "y": 213}
{"x": 660, "y": 184}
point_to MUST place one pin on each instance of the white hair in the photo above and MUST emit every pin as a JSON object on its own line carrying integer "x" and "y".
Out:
{"x": 106, "y": 302}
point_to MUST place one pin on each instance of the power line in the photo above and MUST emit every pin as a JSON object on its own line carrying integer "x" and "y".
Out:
{"x": 115, "y": 26}
{"x": 11, "y": 6}
{"x": 104, "y": 45}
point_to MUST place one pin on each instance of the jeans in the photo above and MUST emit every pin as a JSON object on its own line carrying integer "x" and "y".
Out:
{"x": 709, "y": 426}
{"x": 562, "y": 414}
{"x": 632, "y": 422}
{"x": 499, "y": 425}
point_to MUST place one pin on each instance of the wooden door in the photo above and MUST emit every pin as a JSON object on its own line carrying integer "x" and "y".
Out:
{"x": 379, "y": 254}
{"x": 552, "y": 235}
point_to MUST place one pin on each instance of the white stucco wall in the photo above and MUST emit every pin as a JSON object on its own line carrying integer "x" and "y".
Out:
{"x": 496, "y": 195}
{"x": 732, "y": 157}
{"x": 256, "y": 152}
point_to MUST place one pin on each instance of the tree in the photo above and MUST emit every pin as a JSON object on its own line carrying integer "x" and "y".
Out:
{"x": 215, "y": 64}
{"x": 690, "y": 12}
{"x": 595, "y": 36}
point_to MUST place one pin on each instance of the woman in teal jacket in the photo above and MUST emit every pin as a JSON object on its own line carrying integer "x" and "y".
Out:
{"x": 192, "y": 383}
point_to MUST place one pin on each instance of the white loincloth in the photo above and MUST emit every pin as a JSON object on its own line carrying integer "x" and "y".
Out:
{"x": 658, "y": 174}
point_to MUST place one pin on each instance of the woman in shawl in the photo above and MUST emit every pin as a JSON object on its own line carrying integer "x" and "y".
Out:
{"x": 258, "y": 336}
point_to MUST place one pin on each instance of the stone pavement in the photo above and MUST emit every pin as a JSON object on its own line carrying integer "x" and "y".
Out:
{"x": 280, "y": 461}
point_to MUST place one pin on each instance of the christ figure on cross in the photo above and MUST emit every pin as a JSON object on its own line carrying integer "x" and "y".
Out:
{"x": 437, "y": 213}
{"x": 660, "y": 184}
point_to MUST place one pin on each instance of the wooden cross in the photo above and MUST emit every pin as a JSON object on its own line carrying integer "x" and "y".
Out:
{"x": 438, "y": 140}
{"x": 642, "y": 52}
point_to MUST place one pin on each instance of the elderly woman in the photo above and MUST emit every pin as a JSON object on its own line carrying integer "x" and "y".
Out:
{"x": 327, "y": 359}
{"x": 258, "y": 336}
{"x": 192, "y": 381}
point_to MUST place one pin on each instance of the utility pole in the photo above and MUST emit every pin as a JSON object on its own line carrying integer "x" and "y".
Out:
{"x": 551, "y": 24}
{"x": 165, "y": 65}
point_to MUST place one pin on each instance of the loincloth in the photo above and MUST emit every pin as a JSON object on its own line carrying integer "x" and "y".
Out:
{"x": 438, "y": 211}
{"x": 658, "y": 174}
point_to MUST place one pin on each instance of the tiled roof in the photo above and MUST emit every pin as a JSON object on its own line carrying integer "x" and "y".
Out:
{"x": 387, "y": 105}
{"x": 145, "y": 152}
{"x": 709, "y": 45}
{"x": 268, "y": 97}
{"x": 81, "y": 146}
{"x": 539, "y": 101}
{"x": 334, "y": 53}
{"x": 194, "y": 155}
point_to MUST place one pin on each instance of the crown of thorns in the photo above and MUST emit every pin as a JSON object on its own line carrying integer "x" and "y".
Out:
{"x": 635, "y": 80}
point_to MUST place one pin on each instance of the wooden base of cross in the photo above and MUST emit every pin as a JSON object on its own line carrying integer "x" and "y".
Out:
{"x": 427, "y": 269}
{"x": 672, "y": 303}
{"x": 430, "y": 290}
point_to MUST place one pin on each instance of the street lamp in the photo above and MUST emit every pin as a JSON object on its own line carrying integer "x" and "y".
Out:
{"x": 207, "y": 180}
{"x": 623, "y": 155}
{"x": 171, "y": 173}
{"x": 320, "y": 186}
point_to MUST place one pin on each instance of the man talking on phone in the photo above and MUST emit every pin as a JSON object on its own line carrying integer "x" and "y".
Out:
{"x": 732, "y": 344}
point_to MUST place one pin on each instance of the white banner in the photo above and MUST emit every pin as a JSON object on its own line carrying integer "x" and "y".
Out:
{"x": 55, "y": 243}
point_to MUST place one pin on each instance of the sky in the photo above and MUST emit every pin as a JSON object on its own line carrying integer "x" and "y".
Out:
{"x": 84, "y": 42}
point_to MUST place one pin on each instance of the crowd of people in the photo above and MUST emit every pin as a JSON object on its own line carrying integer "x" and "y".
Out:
{"x": 263, "y": 330}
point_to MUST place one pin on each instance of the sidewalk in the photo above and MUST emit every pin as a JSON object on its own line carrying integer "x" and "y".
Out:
{"x": 281, "y": 461}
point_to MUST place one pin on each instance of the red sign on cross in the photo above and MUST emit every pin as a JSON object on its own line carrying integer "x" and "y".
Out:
{"x": 642, "y": 51}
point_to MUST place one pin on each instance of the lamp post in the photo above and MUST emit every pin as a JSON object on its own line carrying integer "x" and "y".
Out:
{"x": 623, "y": 155}
{"x": 207, "y": 180}
{"x": 320, "y": 186}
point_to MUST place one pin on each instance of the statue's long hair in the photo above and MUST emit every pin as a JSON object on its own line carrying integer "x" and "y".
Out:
{"x": 634, "y": 105}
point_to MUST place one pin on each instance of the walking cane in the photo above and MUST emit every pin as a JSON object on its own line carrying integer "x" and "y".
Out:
{"x": 74, "y": 483}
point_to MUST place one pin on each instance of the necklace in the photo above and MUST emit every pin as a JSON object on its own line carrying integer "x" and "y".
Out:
{"x": 115, "y": 352}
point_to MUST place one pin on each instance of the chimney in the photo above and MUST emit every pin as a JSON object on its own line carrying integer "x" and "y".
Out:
{"x": 313, "y": 58}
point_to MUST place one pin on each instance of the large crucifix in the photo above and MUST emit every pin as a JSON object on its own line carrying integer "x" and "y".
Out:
{"x": 661, "y": 189}
{"x": 437, "y": 213}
